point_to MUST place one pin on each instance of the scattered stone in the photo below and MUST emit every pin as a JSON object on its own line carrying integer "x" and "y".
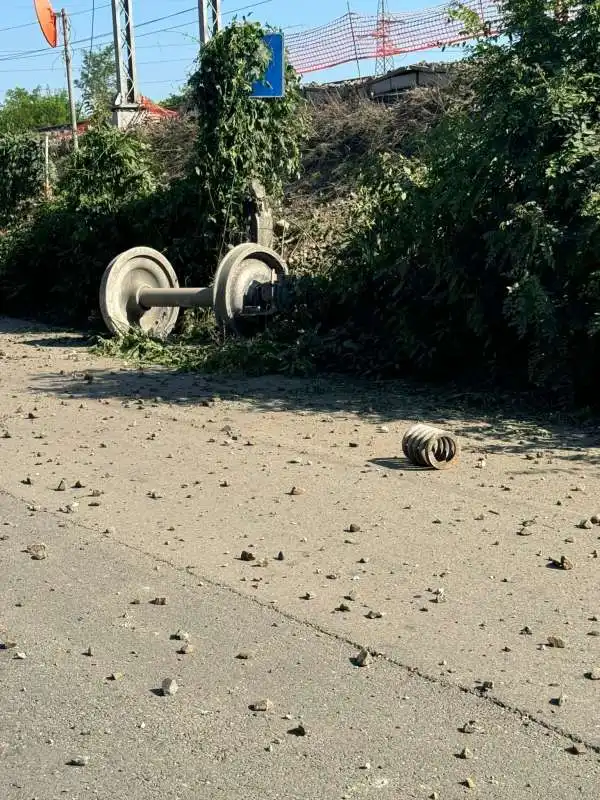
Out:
{"x": 244, "y": 656}
{"x": 595, "y": 519}
{"x": 246, "y": 555}
{"x": 308, "y": 596}
{"x": 78, "y": 485}
{"x": 585, "y": 524}
{"x": 465, "y": 753}
{"x": 186, "y": 650}
{"x": 526, "y": 631}
{"x": 343, "y": 607}
{"x": 299, "y": 730}
{"x": 169, "y": 687}
{"x": 37, "y": 551}
{"x": 562, "y": 563}
{"x": 578, "y": 749}
{"x": 182, "y": 636}
{"x": 373, "y": 614}
{"x": 556, "y": 641}
{"x": 62, "y": 486}
{"x": 594, "y": 632}
{"x": 159, "y": 601}
{"x": 364, "y": 658}
{"x": 593, "y": 674}
{"x": 79, "y": 761}
{"x": 297, "y": 490}
{"x": 20, "y": 656}
{"x": 471, "y": 727}
{"x": 89, "y": 652}
{"x": 366, "y": 766}
{"x": 27, "y": 481}
{"x": 280, "y": 556}
{"x": 559, "y": 701}
{"x": 353, "y": 528}
{"x": 469, "y": 783}
{"x": 262, "y": 705}
{"x": 115, "y": 676}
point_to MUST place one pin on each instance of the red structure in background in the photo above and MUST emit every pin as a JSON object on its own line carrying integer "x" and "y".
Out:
{"x": 357, "y": 37}
{"x": 149, "y": 112}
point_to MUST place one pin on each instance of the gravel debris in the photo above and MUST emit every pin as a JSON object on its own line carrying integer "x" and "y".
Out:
{"x": 169, "y": 687}
{"x": 364, "y": 658}
{"x": 262, "y": 705}
{"x": 79, "y": 761}
{"x": 38, "y": 551}
{"x": 556, "y": 641}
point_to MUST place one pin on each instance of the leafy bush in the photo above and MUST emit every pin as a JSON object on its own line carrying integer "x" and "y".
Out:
{"x": 108, "y": 167}
{"x": 21, "y": 174}
{"x": 481, "y": 258}
{"x": 241, "y": 139}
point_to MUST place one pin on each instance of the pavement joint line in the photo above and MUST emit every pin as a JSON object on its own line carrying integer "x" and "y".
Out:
{"x": 316, "y": 628}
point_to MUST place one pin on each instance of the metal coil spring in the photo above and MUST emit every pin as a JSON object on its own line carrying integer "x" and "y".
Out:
{"x": 426, "y": 446}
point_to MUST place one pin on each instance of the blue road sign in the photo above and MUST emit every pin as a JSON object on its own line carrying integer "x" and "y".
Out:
{"x": 273, "y": 83}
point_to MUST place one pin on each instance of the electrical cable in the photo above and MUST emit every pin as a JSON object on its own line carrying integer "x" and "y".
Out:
{"x": 18, "y": 56}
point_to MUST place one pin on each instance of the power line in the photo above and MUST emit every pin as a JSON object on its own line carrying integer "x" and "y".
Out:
{"x": 34, "y": 24}
{"x": 21, "y": 55}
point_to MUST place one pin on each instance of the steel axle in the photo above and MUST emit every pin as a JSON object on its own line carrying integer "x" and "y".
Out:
{"x": 172, "y": 298}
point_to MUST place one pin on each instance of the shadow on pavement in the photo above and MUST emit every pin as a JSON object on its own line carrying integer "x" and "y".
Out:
{"x": 495, "y": 423}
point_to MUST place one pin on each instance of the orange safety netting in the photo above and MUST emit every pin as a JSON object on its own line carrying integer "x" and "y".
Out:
{"x": 355, "y": 37}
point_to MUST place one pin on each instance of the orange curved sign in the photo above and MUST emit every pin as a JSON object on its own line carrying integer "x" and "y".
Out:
{"x": 47, "y": 19}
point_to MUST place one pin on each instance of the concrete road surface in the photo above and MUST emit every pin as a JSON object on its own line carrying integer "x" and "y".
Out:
{"x": 144, "y": 485}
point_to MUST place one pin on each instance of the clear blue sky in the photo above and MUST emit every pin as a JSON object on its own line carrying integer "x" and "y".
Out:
{"x": 165, "y": 57}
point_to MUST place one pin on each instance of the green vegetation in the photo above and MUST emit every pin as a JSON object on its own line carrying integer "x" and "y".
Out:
{"x": 98, "y": 81}
{"x": 461, "y": 246}
{"x": 21, "y": 174}
{"x": 113, "y": 195}
{"x": 24, "y": 110}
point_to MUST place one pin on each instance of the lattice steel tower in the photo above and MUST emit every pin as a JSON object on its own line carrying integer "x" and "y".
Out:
{"x": 209, "y": 12}
{"x": 384, "y": 62}
{"x": 127, "y": 102}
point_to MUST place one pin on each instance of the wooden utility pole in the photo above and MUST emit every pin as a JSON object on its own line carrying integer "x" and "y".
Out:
{"x": 69, "y": 65}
